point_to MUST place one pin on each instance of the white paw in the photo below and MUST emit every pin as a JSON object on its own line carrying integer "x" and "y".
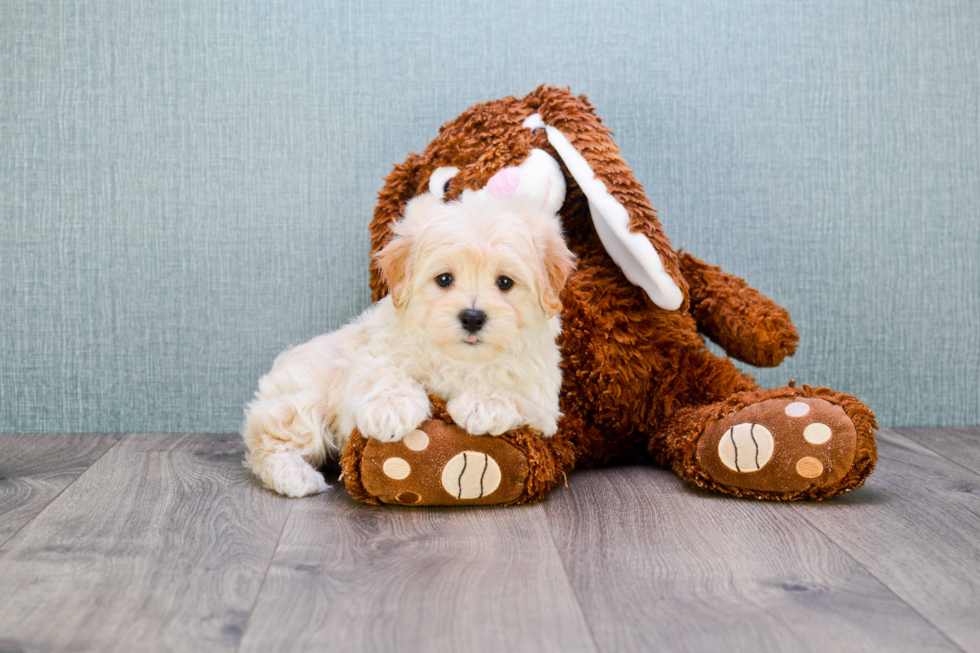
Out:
{"x": 480, "y": 414}
{"x": 292, "y": 476}
{"x": 390, "y": 416}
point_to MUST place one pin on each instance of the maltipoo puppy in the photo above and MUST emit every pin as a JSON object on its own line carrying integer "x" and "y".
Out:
{"x": 471, "y": 317}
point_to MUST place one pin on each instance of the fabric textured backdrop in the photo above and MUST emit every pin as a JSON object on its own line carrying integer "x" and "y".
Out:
{"x": 185, "y": 186}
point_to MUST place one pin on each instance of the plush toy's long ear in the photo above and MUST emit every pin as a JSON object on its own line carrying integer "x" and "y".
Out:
{"x": 400, "y": 187}
{"x": 626, "y": 223}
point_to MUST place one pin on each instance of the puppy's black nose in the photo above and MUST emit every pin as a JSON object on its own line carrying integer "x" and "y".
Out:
{"x": 472, "y": 319}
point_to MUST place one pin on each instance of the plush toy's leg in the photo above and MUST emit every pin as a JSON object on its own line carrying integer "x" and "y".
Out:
{"x": 442, "y": 465}
{"x": 786, "y": 444}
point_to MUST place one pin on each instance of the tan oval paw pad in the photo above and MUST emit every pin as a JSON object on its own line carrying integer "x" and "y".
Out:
{"x": 417, "y": 440}
{"x": 817, "y": 433}
{"x": 396, "y": 468}
{"x": 797, "y": 409}
{"x": 809, "y": 467}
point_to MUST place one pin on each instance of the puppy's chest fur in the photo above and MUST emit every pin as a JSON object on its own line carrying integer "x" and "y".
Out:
{"x": 532, "y": 369}
{"x": 529, "y": 374}
{"x": 532, "y": 382}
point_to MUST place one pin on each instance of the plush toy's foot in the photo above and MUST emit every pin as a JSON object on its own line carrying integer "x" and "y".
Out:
{"x": 789, "y": 443}
{"x": 440, "y": 464}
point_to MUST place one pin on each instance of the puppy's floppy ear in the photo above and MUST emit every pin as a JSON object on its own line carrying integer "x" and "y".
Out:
{"x": 395, "y": 260}
{"x": 557, "y": 262}
{"x": 400, "y": 187}
{"x": 392, "y": 263}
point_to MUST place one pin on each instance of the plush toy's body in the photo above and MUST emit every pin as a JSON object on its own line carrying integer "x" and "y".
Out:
{"x": 639, "y": 382}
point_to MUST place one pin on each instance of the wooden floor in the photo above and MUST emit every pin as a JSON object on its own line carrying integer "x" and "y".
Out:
{"x": 162, "y": 542}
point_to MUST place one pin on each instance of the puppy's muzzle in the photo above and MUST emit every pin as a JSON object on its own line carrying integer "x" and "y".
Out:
{"x": 472, "y": 319}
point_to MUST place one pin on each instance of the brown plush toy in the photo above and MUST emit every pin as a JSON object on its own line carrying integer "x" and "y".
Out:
{"x": 639, "y": 383}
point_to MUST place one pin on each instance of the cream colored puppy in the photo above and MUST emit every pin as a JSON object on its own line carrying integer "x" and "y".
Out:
{"x": 471, "y": 317}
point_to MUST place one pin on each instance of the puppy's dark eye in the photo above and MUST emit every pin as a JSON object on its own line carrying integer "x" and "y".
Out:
{"x": 445, "y": 188}
{"x": 445, "y": 280}
{"x": 505, "y": 283}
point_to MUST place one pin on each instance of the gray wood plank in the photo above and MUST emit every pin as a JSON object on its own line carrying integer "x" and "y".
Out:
{"x": 161, "y": 545}
{"x": 659, "y": 565}
{"x": 960, "y": 444}
{"x": 34, "y": 469}
{"x": 916, "y": 527}
{"x": 352, "y": 577}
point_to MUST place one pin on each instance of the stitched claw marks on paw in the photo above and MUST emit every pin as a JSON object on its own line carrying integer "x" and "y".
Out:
{"x": 471, "y": 475}
{"x": 746, "y": 447}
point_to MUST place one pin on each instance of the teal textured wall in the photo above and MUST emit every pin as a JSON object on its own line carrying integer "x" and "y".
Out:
{"x": 185, "y": 186}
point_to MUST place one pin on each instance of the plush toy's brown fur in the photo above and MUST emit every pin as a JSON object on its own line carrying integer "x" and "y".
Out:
{"x": 639, "y": 382}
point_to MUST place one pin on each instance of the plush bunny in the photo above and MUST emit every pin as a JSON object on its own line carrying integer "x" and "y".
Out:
{"x": 639, "y": 382}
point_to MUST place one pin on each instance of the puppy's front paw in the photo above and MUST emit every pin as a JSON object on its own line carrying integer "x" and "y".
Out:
{"x": 480, "y": 414}
{"x": 389, "y": 415}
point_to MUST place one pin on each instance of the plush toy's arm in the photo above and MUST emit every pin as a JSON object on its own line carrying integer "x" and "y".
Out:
{"x": 748, "y": 325}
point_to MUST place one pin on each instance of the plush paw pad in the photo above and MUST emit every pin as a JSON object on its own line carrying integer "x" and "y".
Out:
{"x": 817, "y": 433}
{"x": 809, "y": 467}
{"x": 396, "y": 468}
{"x": 780, "y": 445}
{"x": 439, "y": 464}
{"x": 471, "y": 475}
{"x": 746, "y": 447}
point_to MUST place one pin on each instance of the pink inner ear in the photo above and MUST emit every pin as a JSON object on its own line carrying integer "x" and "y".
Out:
{"x": 504, "y": 183}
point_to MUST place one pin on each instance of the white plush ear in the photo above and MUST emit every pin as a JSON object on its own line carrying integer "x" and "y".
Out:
{"x": 632, "y": 252}
{"x": 542, "y": 181}
{"x": 538, "y": 180}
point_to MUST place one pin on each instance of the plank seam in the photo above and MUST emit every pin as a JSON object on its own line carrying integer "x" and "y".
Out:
{"x": 568, "y": 580}
{"x": 888, "y": 587}
{"x": 265, "y": 575}
{"x": 938, "y": 453}
{"x": 40, "y": 512}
